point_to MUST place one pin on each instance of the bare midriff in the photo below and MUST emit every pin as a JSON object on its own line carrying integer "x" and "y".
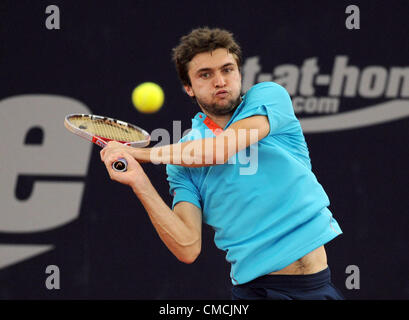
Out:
{"x": 313, "y": 262}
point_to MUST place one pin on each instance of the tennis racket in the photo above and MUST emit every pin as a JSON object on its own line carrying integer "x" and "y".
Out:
{"x": 100, "y": 130}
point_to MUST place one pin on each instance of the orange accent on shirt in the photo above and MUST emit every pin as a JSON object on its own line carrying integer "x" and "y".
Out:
{"x": 216, "y": 129}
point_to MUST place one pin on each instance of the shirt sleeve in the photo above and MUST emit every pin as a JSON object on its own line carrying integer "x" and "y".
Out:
{"x": 181, "y": 186}
{"x": 271, "y": 100}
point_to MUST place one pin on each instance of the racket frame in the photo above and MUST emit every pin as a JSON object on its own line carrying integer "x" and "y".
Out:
{"x": 101, "y": 141}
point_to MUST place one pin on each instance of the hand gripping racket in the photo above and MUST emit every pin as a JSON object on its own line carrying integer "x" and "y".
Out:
{"x": 101, "y": 130}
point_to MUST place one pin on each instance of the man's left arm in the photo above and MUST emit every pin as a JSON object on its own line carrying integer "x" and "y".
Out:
{"x": 201, "y": 152}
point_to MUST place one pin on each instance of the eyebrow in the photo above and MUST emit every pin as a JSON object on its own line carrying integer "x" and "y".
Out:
{"x": 209, "y": 69}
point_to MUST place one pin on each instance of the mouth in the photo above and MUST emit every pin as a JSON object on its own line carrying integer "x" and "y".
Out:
{"x": 222, "y": 93}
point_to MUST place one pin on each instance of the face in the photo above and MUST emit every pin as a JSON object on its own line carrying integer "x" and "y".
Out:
{"x": 215, "y": 82}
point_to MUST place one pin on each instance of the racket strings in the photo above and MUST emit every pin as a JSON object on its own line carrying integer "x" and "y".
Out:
{"x": 106, "y": 128}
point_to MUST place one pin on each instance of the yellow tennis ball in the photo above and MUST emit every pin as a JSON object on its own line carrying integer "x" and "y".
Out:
{"x": 148, "y": 97}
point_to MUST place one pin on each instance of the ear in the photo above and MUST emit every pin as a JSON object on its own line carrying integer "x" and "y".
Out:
{"x": 189, "y": 90}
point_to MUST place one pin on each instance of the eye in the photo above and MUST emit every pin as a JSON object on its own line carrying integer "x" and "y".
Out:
{"x": 228, "y": 70}
{"x": 205, "y": 75}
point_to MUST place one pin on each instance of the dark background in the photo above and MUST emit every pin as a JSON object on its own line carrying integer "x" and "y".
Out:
{"x": 105, "y": 48}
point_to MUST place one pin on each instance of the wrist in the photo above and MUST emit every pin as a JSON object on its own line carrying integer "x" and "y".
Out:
{"x": 140, "y": 186}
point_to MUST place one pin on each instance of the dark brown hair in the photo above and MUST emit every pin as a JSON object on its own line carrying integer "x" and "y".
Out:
{"x": 202, "y": 40}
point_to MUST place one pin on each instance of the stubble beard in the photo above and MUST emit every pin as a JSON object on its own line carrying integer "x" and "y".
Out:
{"x": 220, "y": 110}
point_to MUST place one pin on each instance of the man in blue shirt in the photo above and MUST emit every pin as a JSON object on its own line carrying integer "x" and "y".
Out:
{"x": 269, "y": 212}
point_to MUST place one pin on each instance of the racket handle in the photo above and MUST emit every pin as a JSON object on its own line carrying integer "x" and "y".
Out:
{"x": 120, "y": 165}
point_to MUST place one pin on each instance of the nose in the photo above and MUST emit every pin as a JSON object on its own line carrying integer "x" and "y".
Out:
{"x": 219, "y": 80}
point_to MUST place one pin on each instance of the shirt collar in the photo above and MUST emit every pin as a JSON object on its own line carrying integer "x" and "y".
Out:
{"x": 209, "y": 123}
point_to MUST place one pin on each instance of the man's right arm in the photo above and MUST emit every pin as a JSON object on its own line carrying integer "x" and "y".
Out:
{"x": 180, "y": 229}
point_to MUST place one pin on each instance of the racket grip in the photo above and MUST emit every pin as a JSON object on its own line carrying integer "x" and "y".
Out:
{"x": 120, "y": 165}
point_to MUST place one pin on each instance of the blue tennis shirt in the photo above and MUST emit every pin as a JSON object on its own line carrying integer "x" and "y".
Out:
{"x": 265, "y": 204}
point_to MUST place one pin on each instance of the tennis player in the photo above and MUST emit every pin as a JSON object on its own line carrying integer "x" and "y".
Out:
{"x": 273, "y": 220}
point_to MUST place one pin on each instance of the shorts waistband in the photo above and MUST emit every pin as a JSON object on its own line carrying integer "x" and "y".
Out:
{"x": 307, "y": 281}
